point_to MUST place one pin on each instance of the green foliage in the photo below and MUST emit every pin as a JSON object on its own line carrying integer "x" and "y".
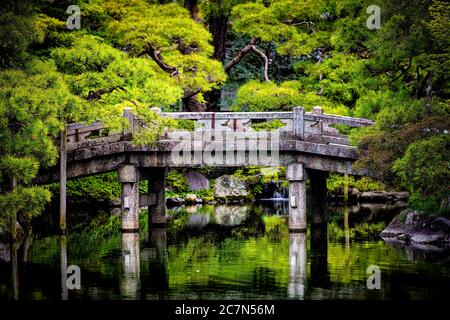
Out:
{"x": 177, "y": 182}
{"x": 177, "y": 186}
{"x": 266, "y": 96}
{"x": 23, "y": 169}
{"x": 268, "y": 125}
{"x": 336, "y": 182}
{"x": 99, "y": 187}
{"x": 17, "y": 32}
{"x": 274, "y": 223}
{"x": 28, "y": 202}
{"x": 425, "y": 167}
{"x": 167, "y": 31}
{"x": 280, "y": 23}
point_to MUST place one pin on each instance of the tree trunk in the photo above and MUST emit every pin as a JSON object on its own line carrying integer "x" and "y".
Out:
{"x": 218, "y": 25}
{"x": 191, "y": 5}
{"x": 191, "y": 104}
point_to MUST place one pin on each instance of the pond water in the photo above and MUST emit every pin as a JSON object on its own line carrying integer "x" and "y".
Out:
{"x": 225, "y": 252}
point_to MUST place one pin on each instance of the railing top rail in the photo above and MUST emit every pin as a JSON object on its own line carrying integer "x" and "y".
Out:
{"x": 227, "y": 115}
{"x": 82, "y": 126}
{"x": 309, "y": 116}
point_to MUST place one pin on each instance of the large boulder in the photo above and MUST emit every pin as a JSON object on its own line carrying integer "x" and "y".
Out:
{"x": 231, "y": 189}
{"x": 197, "y": 181}
{"x": 415, "y": 228}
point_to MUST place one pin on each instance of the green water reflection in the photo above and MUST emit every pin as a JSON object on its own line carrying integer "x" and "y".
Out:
{"x": 223, "y": 252}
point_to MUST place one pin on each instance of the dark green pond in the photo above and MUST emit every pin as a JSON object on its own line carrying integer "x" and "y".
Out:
{"x": 225, "y": 252}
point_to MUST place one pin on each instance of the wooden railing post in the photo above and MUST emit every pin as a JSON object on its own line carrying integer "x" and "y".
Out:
{"x": 128, "y": 114}
{"x": 299, "y": 122}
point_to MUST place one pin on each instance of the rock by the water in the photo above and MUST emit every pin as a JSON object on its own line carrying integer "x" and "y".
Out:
{"x": 230, "y": 189}
{"x": 197, "y": 181}
{"x": 191, "y": 198}
{"x": 382, "y": 196}
{"x": 413, "y": 227}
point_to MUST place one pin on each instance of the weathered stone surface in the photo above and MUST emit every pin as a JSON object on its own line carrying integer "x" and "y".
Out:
{"x": 412, "y": 227}
{"x": 229, "y": 188}
{"x": 382, "y": 196}
{"x": 197, "y": 181}
{"x": 297, "y": 205}
{"x": 295, "y": 172}
{"x": 128, "y": 173}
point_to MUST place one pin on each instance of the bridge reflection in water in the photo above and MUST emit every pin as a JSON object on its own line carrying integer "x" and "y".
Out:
{"x": 158, "y": 281}
{"x": 155, "y": 253}
{"x": 257, "y": 258}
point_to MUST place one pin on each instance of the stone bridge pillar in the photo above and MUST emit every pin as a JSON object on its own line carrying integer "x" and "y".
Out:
{"x": 156, "y": 191}
{"x": 295, "y": 174}
{"x": 129, "y": 179}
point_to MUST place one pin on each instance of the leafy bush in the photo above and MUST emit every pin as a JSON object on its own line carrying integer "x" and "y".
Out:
{"x": 336, "y": 181}
{"x": 425, "y": 170}
{"x": 99, "y": 187}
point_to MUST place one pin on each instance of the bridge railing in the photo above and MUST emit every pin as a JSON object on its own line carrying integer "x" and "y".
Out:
{"x": 303, "y": 125}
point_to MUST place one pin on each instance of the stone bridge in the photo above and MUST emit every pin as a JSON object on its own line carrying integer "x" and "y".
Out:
{"x": 307, "y": 144}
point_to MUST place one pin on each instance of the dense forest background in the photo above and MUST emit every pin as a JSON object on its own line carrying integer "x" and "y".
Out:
{"x": 212, "y": 55}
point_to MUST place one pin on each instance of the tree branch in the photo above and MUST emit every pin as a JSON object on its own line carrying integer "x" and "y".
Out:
{"x": 266, "y": 62}
{"x": 156, "y": 56}
{"x": 243, "y": 52}
{"x": 96, "y": 95}
{"x": 240, "y": 55}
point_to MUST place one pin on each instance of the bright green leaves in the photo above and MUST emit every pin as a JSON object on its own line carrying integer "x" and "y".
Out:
{"x": 164, "y": 27}
{"x": 291, "y": 24}
{"x": 335, "y": 84}
{"x": 257, "y": 21}
{"x": 167, "y": 33}
{"x": 425, "y": 167}
{"x": 32, "y": 106}
{"x": 107, "y": 79}
{"x": 28, "y": 202}
{"x": 23, "y": 169}
{"x": 439, "y": 24}
{"x": 87, "y": 53}
{"x": 197, "y": 73}
{"x": 266, "y": 96}
{"x": 154, "y": 125}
